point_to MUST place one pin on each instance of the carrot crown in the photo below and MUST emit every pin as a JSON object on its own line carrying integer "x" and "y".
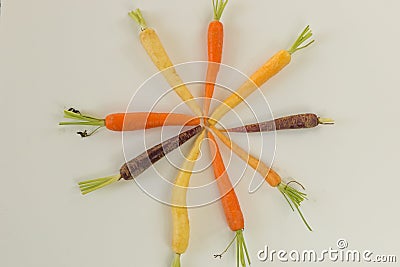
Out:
{"x": 219, "y": 6}
{"x": 80, "y": 119}
{"x": 241, "y": 249}
{"x": 294, "y": 196}
{"x": 92, "y": 185}
{"x": 304, "y": 36}
{"x": 138, "y": 17}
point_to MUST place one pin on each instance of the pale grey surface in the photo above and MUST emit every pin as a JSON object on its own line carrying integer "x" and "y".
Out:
{"x": 54, "y": 54}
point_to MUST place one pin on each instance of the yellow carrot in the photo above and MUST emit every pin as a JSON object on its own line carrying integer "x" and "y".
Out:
{"x": 272, "y": 177}
{"x": 180, "y": 218}
{"x": 274, "y": 65}
{"x": 155, "y": 49}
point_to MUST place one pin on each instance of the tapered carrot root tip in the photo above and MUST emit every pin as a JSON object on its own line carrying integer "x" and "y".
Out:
{"x": 303, "y": 37}
{"x": 294, "y": 197}
{"x": 177, "y": 261}
{"x": 138, "y": 17}
{"x": 92, "y": 185}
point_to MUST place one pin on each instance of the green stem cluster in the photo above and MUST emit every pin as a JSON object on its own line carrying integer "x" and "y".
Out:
{"x": 177, "y": 261}
{"x": 219, "y": 6}
{"x": 294, "y": 197}
{"x": 92, "y": 185}
{"x": 242, "y": 253}
{"x": 138, "y": 17}
{"x": 80, "y": 119}
{"x": 304, "y": 36}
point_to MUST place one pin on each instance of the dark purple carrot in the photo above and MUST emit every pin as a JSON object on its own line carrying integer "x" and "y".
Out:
{"x": 299, "y": 121}
{"x": 139, "y": 164}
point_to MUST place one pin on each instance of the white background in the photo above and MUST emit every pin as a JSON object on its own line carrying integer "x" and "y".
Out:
{"x": 87, "y": 54}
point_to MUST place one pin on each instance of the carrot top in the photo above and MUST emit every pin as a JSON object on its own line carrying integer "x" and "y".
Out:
{"x": 138, "y": 17}
{"x": 219, "y": 6}
{"x": 80, "y": 119}
{"x": 304, "y": 36}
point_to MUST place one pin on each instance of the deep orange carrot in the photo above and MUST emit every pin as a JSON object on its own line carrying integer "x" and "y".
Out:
{"x": 129, "y": 121}
{"x": 230, "y": 203}
{"x": 215, "y": 44}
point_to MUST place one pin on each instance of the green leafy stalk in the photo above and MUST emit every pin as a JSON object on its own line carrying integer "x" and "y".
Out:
{"x": 294, "y": 197}
{"x": 177, "y": 261}
{"x": 304, "y": 36}
{"x": 92, "y": 185}
{"x": 138, "y": 17}
{"x": 219, "y": 6}
{"x": 80, "y": 119}
{"x": 241, "y": 250}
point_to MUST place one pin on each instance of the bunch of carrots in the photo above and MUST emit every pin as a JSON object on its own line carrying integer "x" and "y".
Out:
{"x": 202, "y": 125}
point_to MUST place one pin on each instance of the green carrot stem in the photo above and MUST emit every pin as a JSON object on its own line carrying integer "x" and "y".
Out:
{"x": 219, "y": 6}
{"x": 304, "y": 36}
{"x": 138, "y": 17}
{"x": 294, "y": 197}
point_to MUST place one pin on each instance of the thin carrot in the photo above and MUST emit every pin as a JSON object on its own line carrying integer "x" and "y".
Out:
{"x": 180, "y": 218}
{"x": 298, "y": 121}
{"x": 215, "y": 44}
{"x": 129, "y": 121}
{"x": 155, "y": 49}
{"x": 274, "y": 65}
{"x": 142, "y": 162}
{"x": 230, "y": 202}
{"x": 272, "y": 178}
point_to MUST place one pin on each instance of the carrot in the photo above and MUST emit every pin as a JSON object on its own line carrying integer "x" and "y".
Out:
{"x": 180, "y": 218}
{"x": 274, "y": 65}
{"x": 298, "y": 121}
{"x": 155, "y": 49}
{"x": 272, "y": 178}
{"x": 230, "y": 203}
{"x": 215, "y": 44}
{"x": 129, "y": 121}
{"x": 142, "y": 162}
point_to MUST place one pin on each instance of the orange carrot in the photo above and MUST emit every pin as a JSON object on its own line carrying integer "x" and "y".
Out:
{"x": 230, "y": 203}
{"x": 270, "y": 68}
{"x": 215, "y": 44}
{"x": 270, "y": 176}
{"x": 129, "y": 121}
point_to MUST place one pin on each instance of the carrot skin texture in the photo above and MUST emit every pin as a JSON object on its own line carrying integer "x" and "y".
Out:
{"x": 154, "y": 48}
{"x": 299, "y": 121}
{"x": 215, "y": 45}
{"x": 272, "y": 178}
{"x": 180, "y": 218}
{"x": 274, "y": 65}
{"x": 142, "y": 162}
{"x": 146, "y": 120}
{"x": 230, "y": 202}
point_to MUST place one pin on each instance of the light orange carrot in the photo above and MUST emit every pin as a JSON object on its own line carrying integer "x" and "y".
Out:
{"x": 272, "y": 177}
{"x": 274, "y": 65}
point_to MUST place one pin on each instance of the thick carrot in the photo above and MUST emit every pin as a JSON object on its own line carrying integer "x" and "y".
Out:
{"x": 142, "y": 162}
{"x": 155, "y": 49}
{"x": 272, "y": 177}
{"x": 274, "y": 65}
{"x": 215, "y": 44}
{"x": 230, "y": 202}
{"x": 298, "y": 121}
{"x": 180, "y": 218}
{"x": 130, "y": 121}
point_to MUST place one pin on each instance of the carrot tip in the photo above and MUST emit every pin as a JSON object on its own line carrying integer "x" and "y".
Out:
{"x": 326, "y": 121}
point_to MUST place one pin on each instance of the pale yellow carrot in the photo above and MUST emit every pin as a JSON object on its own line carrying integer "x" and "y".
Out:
{"x": 155, "y": 49}
{"x": 180, "y": 218}
{"x": 274, "y": 65}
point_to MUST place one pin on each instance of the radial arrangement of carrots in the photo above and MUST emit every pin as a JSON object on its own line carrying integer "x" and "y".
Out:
{"x": 203, "y": 125}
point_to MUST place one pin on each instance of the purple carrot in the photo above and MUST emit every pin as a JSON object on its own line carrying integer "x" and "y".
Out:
{"x": 142, "y": 162}
{"x": 299, "y": 121}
